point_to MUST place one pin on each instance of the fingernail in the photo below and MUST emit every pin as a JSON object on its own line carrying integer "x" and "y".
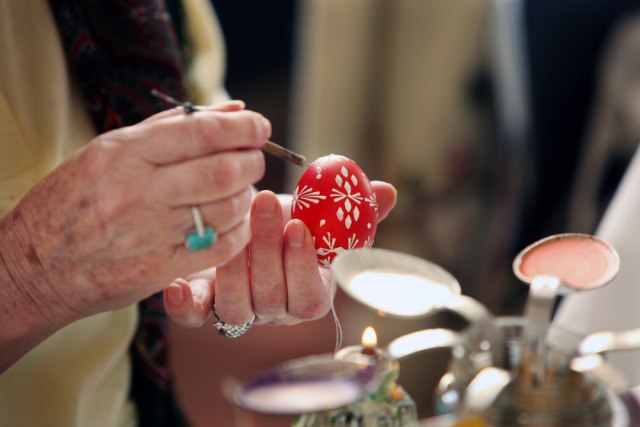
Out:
{"x": 265, "y": 206}
{"x": 174, "y": 294}
{"x": 264, "y": 128}
{"x": 239, "y": 102}
{"x": 295, "y": 233}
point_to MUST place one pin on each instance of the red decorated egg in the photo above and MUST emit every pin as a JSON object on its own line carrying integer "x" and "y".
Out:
{"x": 334, "y": 198}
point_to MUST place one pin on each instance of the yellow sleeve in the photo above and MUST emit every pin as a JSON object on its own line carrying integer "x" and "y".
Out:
{"x": 205, "y": 77}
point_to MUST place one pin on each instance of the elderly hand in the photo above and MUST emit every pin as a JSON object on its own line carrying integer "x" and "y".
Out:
{"x": 276, "y": 277}
{"x": 107, "y": 227}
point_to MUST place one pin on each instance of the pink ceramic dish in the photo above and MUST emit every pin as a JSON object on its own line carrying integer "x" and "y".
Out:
{"x": 580, "y": 261}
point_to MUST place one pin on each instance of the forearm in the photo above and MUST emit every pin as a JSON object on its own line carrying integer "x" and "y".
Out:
{"x": 24, "y": 318}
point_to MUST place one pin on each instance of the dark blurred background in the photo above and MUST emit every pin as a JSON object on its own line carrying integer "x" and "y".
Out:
{"x": 533, "y": 136}
{"x": 260, "y": 39}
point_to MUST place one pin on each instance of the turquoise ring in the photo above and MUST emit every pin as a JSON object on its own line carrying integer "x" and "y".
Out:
{"x": 195, "y": 242}
{"x": 202, "y": 237}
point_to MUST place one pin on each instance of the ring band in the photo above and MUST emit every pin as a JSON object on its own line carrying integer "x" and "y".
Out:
{"x": 203, "y": 236}
{"x": 231, "y": 331}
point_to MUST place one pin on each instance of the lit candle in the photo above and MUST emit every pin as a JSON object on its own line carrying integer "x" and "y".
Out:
{"x": 368, "y": 347}
{"x": 386, "y": 406}
{"x": 370, "y": 342}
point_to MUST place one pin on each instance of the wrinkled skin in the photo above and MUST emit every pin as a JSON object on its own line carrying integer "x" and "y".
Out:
{"x": 107, "y": 227}
{"x": 276, "y": 277}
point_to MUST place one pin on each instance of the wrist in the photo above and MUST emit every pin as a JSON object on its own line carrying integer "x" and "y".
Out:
{"x": 28, "y": 313}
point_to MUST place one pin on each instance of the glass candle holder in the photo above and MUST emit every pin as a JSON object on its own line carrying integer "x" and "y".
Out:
{"x": 389, "y": 405}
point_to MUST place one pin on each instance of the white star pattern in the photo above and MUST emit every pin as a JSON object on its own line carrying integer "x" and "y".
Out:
{"x": 350, "y": 213}
{"x": 302, "y": 198}
{"x": 325, "y": 262}
{"x": 329, "y": 250}
{"x": 373, "y": 201}
{"x": 369, "y": 242}
{"x": 330, "y": 242}
{"x": 352, "y": 242}
{"x": 327, "y": 253}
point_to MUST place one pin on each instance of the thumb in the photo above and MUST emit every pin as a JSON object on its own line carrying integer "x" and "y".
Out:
{"x": 189, "y": 302}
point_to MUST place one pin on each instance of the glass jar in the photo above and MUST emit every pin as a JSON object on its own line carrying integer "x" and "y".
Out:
{"x": 567, "y": 398}
{"x": 388, "y": 406}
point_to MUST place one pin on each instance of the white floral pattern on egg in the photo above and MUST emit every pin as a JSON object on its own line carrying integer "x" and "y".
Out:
{"x": 334, "y": 198}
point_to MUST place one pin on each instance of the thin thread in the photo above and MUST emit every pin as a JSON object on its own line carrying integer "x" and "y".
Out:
{"x": 336, "y": 320}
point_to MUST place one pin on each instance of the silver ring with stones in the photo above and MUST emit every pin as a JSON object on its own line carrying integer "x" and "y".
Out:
{"x": 231, "y": 331}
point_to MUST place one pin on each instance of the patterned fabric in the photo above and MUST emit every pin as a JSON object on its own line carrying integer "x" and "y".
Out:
{"x": 118, "y": 50}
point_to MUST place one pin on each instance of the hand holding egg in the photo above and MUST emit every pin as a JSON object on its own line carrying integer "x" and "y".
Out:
{"x": 280, "y": 276}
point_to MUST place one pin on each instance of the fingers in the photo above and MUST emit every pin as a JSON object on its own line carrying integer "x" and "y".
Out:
{"x": 268, "y": 286}
{"x": 386, "y": 195}
{"x": 189, "y": 302}
{"x": 243, "y": 289}
{"x": 180, "y": 137}
{"x": 232, "y": 291}
{"x": 278, "y": 277}
{"x": 208, "y": 178}
{"x": 308, "y": 298}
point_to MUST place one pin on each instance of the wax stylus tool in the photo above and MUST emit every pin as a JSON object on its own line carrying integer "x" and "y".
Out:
{"x": 285, "y": 154}
{"x": 270, "y": 147}
{"x": 558, "y": 264}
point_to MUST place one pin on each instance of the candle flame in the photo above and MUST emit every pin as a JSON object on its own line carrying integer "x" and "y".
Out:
{"x": 369, "y": 337}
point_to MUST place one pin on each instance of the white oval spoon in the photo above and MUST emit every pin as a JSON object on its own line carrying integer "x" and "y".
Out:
{"x": 558, "y": 264}
{"x": 407, "y": 286}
